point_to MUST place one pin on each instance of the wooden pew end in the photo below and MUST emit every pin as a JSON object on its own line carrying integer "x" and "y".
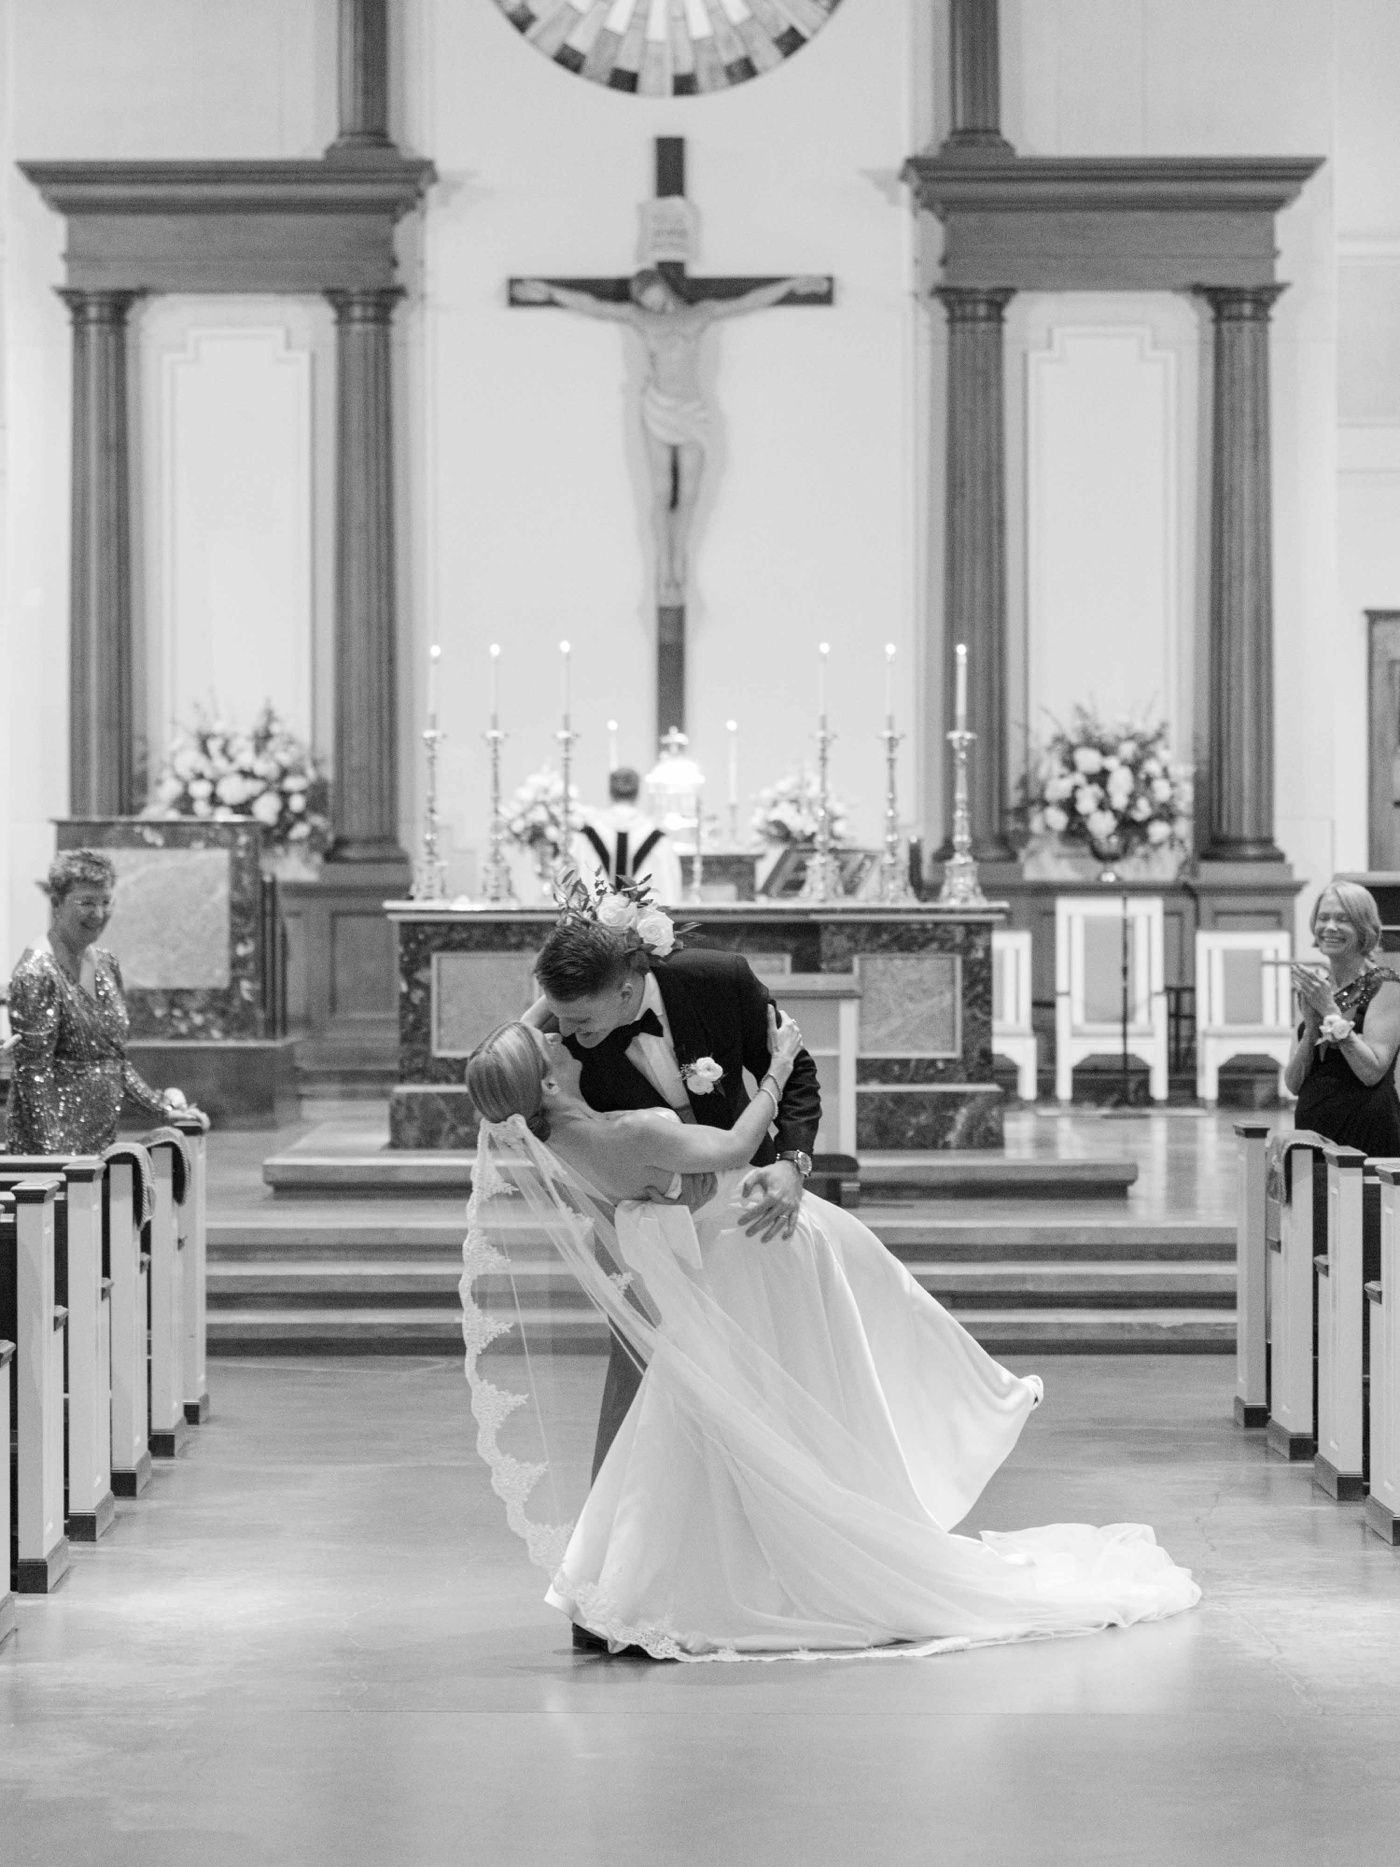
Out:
{"x": 1345, "y": 1487}
{"x": 86, "y": 1526}
{"x": 170, "y": 1441}
{"x": 1295, "y": 1447}
{"x": 197, "y": 1411}
{"x": 1250, "y": 1414}
{"x": 41, "y": 1575}
{"x": 1385, "y": 1522}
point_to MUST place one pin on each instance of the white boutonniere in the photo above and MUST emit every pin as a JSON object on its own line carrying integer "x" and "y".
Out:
{"x": 701, "y": 1076}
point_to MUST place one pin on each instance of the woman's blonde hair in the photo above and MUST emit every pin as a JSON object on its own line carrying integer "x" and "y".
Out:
{"x": 1358, "y": 904}
{"x": 504, "y": 1077}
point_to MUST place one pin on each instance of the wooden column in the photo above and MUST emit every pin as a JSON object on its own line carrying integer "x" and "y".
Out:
{"x": 976, "y": 71}
{"x": 1240, "y": 760}
{"x": 364, "y": 78}
{"x": 365, "y": 793}
{"x": 100, "y": 703}
{"x": 974, "y": 608}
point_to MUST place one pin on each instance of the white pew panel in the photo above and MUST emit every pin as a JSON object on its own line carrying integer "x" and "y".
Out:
{"x": 128, "y": 1268}
{"x": 169, "y": 1429}
{"x": 1338, "y": 1465}
{"x": 1251, "y": 1276}
{"x": 7, "y": 1358}
{"x": 1383, "y": 1326}
{"x": 43, "y": 1547}
{"x": 1302, "y": 1233}
{"x": 194, "y": 1220}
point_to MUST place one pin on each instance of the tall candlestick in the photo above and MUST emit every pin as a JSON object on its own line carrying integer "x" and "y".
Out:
{"x": 434, "y": 656}
{"x": 495, "y": 683}
{"x": 889, "y": 680}
{"x": 960, "y": 707}
{"x": 612, "y": 745}
{"x": 732, "y": 728}
{"x": 564, "y": 652}
{"x": 824, "y": 651}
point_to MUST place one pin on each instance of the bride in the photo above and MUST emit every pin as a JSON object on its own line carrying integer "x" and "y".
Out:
{"x": 811, "y": 1425}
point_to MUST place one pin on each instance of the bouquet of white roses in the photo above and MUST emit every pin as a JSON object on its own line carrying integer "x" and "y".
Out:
{"x": 1111, "y": 785}
{"x": 213, "y": 770}
{"x": 626, "y": 906}
{"x": 788, "y": 811}
{"x": 535, "y": 814}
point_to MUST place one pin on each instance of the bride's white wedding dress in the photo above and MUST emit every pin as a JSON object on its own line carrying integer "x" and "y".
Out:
{"x": 810, "y": 1428}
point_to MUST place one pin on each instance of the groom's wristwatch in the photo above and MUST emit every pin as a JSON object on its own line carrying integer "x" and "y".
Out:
{"x": 802, "y": 1162}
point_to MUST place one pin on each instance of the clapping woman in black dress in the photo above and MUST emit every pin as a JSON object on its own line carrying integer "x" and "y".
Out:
{"x": 1342, "y": 1067}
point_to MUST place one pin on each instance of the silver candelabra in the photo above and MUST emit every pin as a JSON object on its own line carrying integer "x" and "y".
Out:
{"x": 823, "y": 879}
{"x": 961, "y": 888}
{"x": 894, "y": 870}
{"x": 498, "y": 890}
{"x": 430, "y": 872}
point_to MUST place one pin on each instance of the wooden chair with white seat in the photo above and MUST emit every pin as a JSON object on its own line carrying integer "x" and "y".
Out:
{"x": 1099, "y": 1012}
{"x": 1012, "y": 1035}
{"x": 1243, "y": 1002}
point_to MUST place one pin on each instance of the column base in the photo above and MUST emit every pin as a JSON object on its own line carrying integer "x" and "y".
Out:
{"x": 86, "y": 1526}
{"x": 132, "y": 1483}
{"x": 366, "y": 849}
{"x": 1295, "y": 1447}
{"x": 1246, "y": 850}
{"x": 1346, "y": 1487}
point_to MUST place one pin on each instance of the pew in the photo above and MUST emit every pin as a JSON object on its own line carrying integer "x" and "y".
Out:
{"x": 83, "y": 1289}
{"x": 1297, "y": 1233}
{"x": 1251, "y": 1275}
{"x": 171, "y": 1175}
{"x": 1350, "y": 1255}
{"x": 7, "y": 1358}
{"x": 1383, "y": 1332}
{"x": 32, "y": 1318}
{"x": 128, "y": 1174}
{"x": 194, "y": 1127}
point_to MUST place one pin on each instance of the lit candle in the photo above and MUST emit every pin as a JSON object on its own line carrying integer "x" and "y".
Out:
{"x": 889, "y": 681}
{"x": 564, "y": 653}
{"x": 960, "y": 707}
{"x": 732, "y": 728}
{"x": 823, "y": 650}
{"x": 612, "y": 745}
{"x": 434, "y": 656}
{"x": 495, "y": 683}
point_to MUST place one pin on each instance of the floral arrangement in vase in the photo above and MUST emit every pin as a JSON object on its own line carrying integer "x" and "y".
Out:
{"x": 788, "y": 811}
{"x": 1110, "y": 786}
{"x": 534, "y": 815}
{"x": 213, "y": 770}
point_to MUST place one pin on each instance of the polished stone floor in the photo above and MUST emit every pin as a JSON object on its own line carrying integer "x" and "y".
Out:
{"x": 314, "y": 1641}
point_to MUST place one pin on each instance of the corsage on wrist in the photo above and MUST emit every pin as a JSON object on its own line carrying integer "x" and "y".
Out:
{"x": 1336, "y": 1029}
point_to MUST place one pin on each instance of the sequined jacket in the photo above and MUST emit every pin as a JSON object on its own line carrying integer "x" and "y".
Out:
{"x": 71, "y": 1073}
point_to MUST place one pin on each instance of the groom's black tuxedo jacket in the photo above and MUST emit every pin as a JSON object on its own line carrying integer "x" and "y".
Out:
{"x": 716, "y": 1008}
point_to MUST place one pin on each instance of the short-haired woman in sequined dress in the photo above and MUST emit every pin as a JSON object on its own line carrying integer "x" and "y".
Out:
{"x": 70, "y": 1024}
{"x": 1343, "y": 1066}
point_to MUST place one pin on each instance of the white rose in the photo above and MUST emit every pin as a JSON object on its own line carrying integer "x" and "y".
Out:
{"x": 1102, "y": 825}
{"x": 183, "y": 763}
{"x": 1163, "y": 790}
{"x": 617, "y": 911}
{"x": 299, "y": 831}
{"x": 1055, "y": 818}
{"x": 203, "y": 808}
{"x": 267, "y": 808}
{"x": 656, "y": 932}
{"x": 1152, "y": 767}
{"x": 1086, "y": 802}
{"x": 1158, "y": 832}
{"x": 1058, "y": 789}
{"x": 1120, "y": 787}
{"x": 296, "y": 801}
{"x": 1087, "y": 760}
{"x": 201, "y": 791}
{"x": 1111, "y": 762}
{"x": 169, "y": 790}
{"x": 702, "y": 1076}
{"x": 1141, "y": 810}
{"x": 1128, "y": 751}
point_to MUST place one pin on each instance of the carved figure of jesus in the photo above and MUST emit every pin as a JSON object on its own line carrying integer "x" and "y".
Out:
{"x": 675, "y": 415}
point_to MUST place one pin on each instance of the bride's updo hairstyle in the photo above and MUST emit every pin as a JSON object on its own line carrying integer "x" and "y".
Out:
{"x": 504, "y": 1077}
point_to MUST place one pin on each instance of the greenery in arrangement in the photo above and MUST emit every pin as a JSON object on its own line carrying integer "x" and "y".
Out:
{"x": 788, "y": 811}
{"x": 1110, "y": 785}
{"x": 213, "y": 770}
{"x": 534, "y": 815}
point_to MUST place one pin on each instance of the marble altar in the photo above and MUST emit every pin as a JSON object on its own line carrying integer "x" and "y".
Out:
{"x": 924, "y": 1059}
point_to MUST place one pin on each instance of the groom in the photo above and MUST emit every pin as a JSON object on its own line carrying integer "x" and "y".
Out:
{"x": 675, "y": 1032}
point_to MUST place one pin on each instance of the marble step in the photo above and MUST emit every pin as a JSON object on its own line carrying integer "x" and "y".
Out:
{"x": 436, "y": 1331}
{"x": 951, "y": 1231}
{"x": 327, "y": 1171}
{"x": 421, "y": 1280}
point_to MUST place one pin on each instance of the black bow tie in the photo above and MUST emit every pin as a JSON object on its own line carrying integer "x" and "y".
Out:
{"x": 648, "y": 1025}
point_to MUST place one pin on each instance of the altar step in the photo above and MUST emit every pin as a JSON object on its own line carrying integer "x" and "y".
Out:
{"x": 364, "y": 1278}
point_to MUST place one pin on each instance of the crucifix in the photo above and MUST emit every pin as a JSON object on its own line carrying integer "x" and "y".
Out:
{"x": 671, "y": 312}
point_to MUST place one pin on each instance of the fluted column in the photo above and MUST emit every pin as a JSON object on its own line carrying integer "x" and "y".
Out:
{"x": 100, "y": 703}
{"x": 1240, "y": 763}
{"x": 976, "y": 75}
{"x": 974, "y": 609}
{"x": 364, "y": 78}
{"x": 365, "y": 807}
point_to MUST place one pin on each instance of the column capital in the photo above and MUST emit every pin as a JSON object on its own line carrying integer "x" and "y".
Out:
{"x": 86, "y": 306}
{"x": 1241, "y": 304}
{"x": 364, "y": 304}
{"x": 975, "y": 304}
